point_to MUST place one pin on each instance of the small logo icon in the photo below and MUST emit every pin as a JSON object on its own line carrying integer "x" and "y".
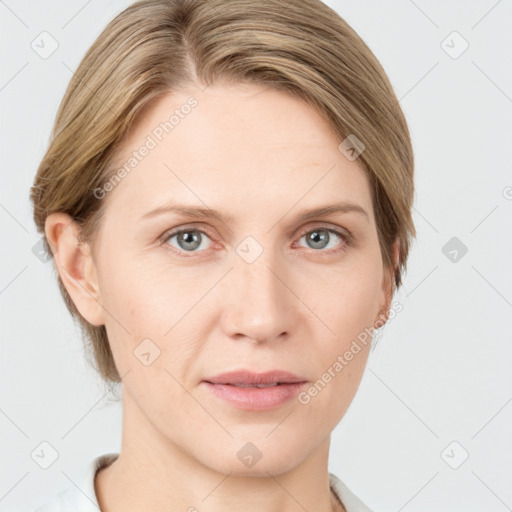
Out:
{"x": 40, "y": 252}
{"x": 249, "y": 454}
{"x": 44, "y": 45}
{"x": 44, "y": 454}
{"x": 454, "y": 45}
{"x": 146, "y": 352}
{"x": 249, "y": 249}
{"x": 352, "y": 147}
{"x": 454, "y": 249}
{"x": 455, "y": 455}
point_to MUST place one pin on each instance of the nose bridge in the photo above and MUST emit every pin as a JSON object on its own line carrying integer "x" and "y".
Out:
{"x": 260, "y": 303}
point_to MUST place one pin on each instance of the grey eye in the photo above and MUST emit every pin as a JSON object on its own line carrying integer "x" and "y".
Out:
{"x": 320, "y": 238}
{"x": 188, "y": 240}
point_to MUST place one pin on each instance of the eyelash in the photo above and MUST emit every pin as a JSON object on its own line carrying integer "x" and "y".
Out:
{"x": 347, "y": 239}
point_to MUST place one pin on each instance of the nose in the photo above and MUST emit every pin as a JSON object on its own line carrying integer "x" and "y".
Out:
{"x": 258, "y": 302}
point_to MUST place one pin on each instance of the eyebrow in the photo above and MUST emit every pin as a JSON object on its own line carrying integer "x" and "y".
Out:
{"x": 200, "y": 212}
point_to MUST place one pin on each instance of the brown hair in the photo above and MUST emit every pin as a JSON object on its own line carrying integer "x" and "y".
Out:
{"x": 154, "y": 47}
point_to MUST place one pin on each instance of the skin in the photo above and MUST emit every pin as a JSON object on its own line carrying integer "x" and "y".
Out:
{"x": 261, "y": 156}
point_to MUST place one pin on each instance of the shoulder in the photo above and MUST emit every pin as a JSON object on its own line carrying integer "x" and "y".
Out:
{"x": 80, "y": 495}
{"x": 350, "y": 501}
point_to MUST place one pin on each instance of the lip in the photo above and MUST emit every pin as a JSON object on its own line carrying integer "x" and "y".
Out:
{"x": 250, "y": 378}
{"x": 255, "y": 399}
{"x": 224, "y": 386}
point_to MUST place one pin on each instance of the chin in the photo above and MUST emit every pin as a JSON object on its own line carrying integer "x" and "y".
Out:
{"x": 257, "y": 459}
{"x": 261, "y": 469}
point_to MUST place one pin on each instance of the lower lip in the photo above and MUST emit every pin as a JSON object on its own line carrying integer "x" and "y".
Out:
{"x": 256, "y": 399}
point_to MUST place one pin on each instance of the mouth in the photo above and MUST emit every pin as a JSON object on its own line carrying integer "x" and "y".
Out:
{"x": 241, "y": 385}
{"x": 252, "y": 391}
{"x": 246, "y": 378}
{"x": 254, "y": 396}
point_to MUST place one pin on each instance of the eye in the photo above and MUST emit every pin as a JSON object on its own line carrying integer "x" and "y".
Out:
{"x": 187, "y": 240}
{"x": 321, "y": 237}
{"x": 192, "y": 240}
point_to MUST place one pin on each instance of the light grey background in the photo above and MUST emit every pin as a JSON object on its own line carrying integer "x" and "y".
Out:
{"x": 441, "y": 370}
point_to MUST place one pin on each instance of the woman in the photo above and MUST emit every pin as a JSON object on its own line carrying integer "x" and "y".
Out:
{"x": 227, "y": 197}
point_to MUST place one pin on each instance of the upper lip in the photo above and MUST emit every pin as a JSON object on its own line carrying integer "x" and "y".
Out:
{"x": 248, "y": 377}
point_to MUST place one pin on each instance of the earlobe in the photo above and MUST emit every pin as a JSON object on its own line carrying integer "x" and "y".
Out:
{"x": 75, "y": 265}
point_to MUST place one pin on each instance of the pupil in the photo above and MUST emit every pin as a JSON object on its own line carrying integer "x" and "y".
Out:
{"x": 193, "y": 239}
{"x": 318, "y": 238}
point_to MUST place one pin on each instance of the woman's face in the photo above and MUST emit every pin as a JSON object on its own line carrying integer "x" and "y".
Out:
{"x": 259, "y": 289}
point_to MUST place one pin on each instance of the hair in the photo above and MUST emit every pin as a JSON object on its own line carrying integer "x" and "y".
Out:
{"x": 155, "y": 47}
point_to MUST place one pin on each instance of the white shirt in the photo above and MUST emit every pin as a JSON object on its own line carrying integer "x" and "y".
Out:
{"x": 82, "y": 497}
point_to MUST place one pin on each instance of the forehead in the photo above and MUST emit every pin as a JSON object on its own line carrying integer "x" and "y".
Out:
{"x": 230, "y": 146}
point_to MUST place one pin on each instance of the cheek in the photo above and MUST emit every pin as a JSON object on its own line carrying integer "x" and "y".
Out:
{"x": 342, "y": 357}
{"x": 152, "y": 316}
{"x": 350, "y": 301}
{"x": 144, "y": 295}
{"x": 134, "y": 306}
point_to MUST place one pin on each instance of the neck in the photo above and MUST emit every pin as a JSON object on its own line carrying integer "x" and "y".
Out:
{"x": 154, "y": 473}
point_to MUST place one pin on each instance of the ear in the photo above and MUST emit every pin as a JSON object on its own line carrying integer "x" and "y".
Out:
{"x": 388, "y": 287}
{"x": 75, "y": 265}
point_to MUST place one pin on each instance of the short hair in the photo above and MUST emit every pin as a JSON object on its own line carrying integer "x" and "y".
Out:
{"x": 155, "y": 47}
